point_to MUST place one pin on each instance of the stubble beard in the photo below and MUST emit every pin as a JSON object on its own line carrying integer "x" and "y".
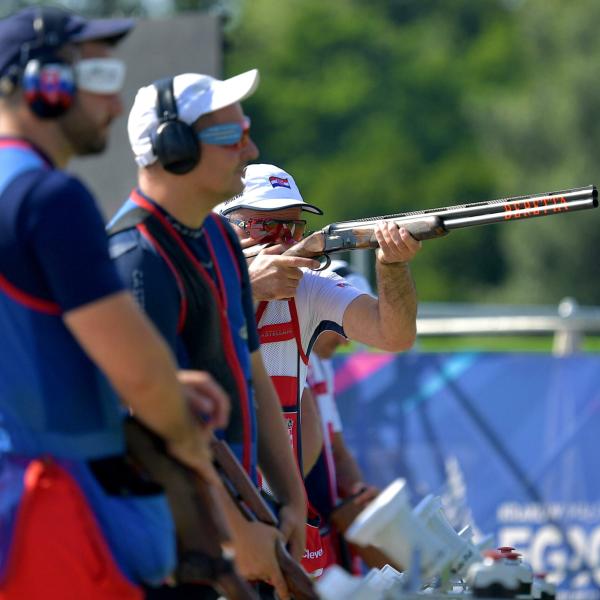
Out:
{"x": 83, "y": 134}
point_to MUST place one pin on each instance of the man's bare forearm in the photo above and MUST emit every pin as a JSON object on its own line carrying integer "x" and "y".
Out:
{"x": 347, "y": 471}
{"x": 397, "y": 306}
{"x": 389, "y": 322}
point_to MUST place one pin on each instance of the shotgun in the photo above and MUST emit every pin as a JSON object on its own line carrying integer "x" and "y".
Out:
{"x": 254, "y": 507}
{"x": 200, "y": 527}
{"x": 437, "y": 222}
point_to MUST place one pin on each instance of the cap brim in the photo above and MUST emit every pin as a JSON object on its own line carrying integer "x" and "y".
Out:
{"x": 267, "y": 206}
{"x": 235, "y": 89}
{"x": 103, "y": 29}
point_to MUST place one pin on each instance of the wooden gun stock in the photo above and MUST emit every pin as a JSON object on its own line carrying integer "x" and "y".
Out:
{"x": 199, "y": 524}
{"x": 254, "y": 507}
{"x": 240, "y": 486}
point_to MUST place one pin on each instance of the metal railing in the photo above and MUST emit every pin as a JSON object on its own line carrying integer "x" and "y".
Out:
{"x": 568, "y": 322}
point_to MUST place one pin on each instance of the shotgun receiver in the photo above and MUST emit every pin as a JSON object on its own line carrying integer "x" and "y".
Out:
{"x": 437, "y": 222}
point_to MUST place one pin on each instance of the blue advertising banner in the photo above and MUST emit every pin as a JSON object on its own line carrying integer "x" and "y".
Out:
{"x": 509, "y": 441}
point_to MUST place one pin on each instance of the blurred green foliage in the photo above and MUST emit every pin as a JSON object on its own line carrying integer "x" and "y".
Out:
{"x": 544, "y": 134}
{"x": 92, "y": 8}
{"x": 381, "y": 106}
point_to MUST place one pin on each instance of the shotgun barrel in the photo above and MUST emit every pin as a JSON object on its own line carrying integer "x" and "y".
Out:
{"x": 437, "y": 222}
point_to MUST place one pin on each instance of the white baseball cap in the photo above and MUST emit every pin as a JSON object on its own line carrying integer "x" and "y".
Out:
{"x": 267, "y": 187}
{"x": 195, "y": 95}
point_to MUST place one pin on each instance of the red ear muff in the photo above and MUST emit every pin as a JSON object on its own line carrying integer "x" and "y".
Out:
{"x": 49, "y": 87}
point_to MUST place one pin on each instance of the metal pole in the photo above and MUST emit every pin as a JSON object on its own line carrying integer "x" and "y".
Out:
{"x": 567, "y": 339}
{"x": 361, "y": 261}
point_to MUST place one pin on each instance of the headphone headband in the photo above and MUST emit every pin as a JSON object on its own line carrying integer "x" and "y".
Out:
{"x": 166, "y": 105}
{"x": 175, "y": 143}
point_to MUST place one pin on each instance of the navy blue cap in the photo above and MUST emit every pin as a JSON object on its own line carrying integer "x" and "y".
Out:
{"x": 18, "y": 31}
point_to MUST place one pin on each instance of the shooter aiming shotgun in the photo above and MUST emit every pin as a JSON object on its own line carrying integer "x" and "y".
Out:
{"x": 437, "y": 222}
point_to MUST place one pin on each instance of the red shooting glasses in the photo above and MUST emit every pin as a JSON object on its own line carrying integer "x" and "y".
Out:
{"x": 272, "y": 230}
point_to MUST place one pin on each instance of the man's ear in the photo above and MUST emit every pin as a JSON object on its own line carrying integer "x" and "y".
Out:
{"x": 7, "y": 86}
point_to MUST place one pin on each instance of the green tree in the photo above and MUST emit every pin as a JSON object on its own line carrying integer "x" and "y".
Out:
{"x": 543, "y": 136}
{"x": 371, "y": 114}
{"x": 92, "y": 8}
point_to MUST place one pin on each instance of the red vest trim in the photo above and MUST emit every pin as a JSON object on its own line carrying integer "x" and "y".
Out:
{"x": 31, "y": 302}
{"x": 183, "y": 305}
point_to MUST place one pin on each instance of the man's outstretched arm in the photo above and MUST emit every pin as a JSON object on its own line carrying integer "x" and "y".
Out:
{"x": 389, "y": 321}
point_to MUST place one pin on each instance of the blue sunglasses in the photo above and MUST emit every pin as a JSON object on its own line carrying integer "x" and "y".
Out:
{"x": 233, "y": 135}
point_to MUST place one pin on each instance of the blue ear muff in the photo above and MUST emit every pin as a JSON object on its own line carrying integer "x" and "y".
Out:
{"x": 175, "y": 143}
{"x": 48, "y": 82}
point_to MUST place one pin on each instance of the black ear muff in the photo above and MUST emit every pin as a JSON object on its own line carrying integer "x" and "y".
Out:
{"x": 175, "y": 143}
{"x": 48, "y": 82}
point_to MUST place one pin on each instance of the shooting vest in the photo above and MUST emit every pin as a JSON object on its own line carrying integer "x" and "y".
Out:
{"x": 53, "y": 400}
{"x": 287, "y": 365}
{"x": 210, "y": 318}
{"x": 285, "y": 361}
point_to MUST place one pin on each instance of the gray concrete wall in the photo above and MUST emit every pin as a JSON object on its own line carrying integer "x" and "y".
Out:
{"x": 156, "y": 48}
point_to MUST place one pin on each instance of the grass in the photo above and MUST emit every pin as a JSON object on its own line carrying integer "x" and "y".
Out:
{"x": 499, "y": 344}
{"x": 507, "y": 343}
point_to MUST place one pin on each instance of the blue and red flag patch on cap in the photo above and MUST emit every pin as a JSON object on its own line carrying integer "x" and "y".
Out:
{"x": 279, "y": 182}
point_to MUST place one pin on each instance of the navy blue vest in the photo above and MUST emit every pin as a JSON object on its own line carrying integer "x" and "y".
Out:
{"x": 212, "y": 320}
{"x": 53, "y": 399}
